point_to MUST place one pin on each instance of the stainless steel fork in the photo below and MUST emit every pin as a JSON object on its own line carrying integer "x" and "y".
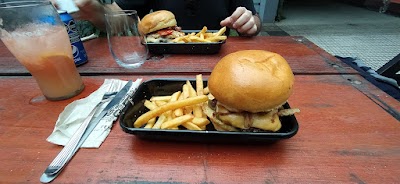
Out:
{"x": 64, "y": 156}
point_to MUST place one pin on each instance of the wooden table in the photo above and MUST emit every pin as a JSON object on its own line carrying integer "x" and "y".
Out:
{"x": 349, "y": 129}
{"x": 304, "y": 57}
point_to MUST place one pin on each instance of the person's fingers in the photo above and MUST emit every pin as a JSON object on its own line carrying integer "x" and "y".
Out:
{"x": 55, "y": 4}
{"x": 243, "y": 19}
{"x": 177, "y": 28}
{"x": 237, "y": 13}
{"x": 229, "y": 21}
{"x": 86, "y": 9}
{"x": 247, "y": 26}
{"x": 226, "y": 22}
{"x": 82, "y": 3}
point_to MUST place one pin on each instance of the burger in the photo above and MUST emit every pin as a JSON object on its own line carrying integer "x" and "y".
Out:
{"x": 159, "y": 26}
{"x": 247, "y": 91}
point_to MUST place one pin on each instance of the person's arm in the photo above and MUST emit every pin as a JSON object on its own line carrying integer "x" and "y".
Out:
{"x": 94, "y": 11}
{"x": 243, "y": 21}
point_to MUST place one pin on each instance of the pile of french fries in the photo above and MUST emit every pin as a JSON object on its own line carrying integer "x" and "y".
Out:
{"x": 181, "y": 109}
{"x": 202, "y": 36}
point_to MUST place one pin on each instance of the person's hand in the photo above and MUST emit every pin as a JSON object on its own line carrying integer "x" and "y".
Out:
{"x": 87, "y": 8}
{"x": 54, "y": 3}
{"x": 242, "y": 20}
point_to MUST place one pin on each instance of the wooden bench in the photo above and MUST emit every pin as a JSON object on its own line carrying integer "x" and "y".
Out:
{"x": 386, "y": 4}
{"x": 391, "y": 68}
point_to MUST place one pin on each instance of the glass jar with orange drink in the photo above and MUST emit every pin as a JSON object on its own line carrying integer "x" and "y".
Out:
{"x": 35, "y": 35}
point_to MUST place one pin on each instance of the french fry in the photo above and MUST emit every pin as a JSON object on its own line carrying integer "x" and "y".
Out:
{"x": 200, "y": 121}
{"x": 210, "y": 96}
{"x": 150, "y": 124}
{"x": 186, "y": 39}
{"x": 173, "y": 128}
{"x": 185, "y": 91}
{"x": 208, "y": 35}
{"x": 188, "y": 92}
{"x": 220, "y": 31}
{"x": 175, "y": 96}
{"x": 195, "y": 109}
{"x": 144, "y": 118}
{"x": 192, "y": 91}
{"x": 179, "y": 111}
{"x": 177, "y": 121}
{"x": 187, "y": 110}
{"x": 178, "y": 40}
{"x": 160, "y": 98}
{"x": 198, "y": 39}
{"x": 159, "y": 122}
{"x": 149, "y": 104}
{"x": 216, "y": 38}
{"x": 169, "y": 115}
{"x": 160, "y": 103}
{"x": 199, "y": 85}
{"x": 203, "y": 30}
{"x": 191, "y": 126}
{"x": 206, "y": 91}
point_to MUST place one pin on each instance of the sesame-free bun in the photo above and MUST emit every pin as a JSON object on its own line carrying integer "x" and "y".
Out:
{"x": 156, "y": 21}
{"x": 252, "y": 81}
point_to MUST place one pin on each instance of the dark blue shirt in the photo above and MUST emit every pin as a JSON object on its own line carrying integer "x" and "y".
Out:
{"x": 190, "y": 14}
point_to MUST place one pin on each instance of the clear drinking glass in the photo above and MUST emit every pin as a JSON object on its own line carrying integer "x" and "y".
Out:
{"x": 124, "y": 39}
{"x": 35, "y": 35}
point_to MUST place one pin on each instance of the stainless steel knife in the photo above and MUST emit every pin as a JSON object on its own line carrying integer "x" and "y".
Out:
{"x": 112, "y": 109}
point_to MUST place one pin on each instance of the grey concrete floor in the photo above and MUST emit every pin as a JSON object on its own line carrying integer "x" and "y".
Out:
{"x": 342, "y": 29}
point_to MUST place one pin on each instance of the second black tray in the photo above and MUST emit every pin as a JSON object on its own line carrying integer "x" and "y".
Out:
{"x": 186, "y": 48}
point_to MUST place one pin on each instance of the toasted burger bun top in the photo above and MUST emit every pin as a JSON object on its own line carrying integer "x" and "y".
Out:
{"x": 252, "y": 81}
{"x": 156, "y": 21}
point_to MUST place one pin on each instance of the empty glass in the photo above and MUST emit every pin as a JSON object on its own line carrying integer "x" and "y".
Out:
{"x": 35, "y": 35}
{"x": 124, "y": 39}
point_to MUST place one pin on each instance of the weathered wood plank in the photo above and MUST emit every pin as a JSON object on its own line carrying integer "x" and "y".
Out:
{"x": 304, "y": 57}
{"x": 344, "y": 137}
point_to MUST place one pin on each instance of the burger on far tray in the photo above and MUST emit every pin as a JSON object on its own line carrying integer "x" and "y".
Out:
{"x": 248, "y": 89}
{"x": 159, "y": 27}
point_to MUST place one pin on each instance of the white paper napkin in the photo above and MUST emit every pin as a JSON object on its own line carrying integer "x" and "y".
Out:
{"x": 75, "y": 113}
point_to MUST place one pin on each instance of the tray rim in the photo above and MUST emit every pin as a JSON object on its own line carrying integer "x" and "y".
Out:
{"x": 265, "y": 135}
{"x": 189, "y": 43}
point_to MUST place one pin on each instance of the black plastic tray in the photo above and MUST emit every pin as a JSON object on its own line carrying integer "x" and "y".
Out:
{"x": 167, "y": 87}
{"x": 186, "y": 48}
